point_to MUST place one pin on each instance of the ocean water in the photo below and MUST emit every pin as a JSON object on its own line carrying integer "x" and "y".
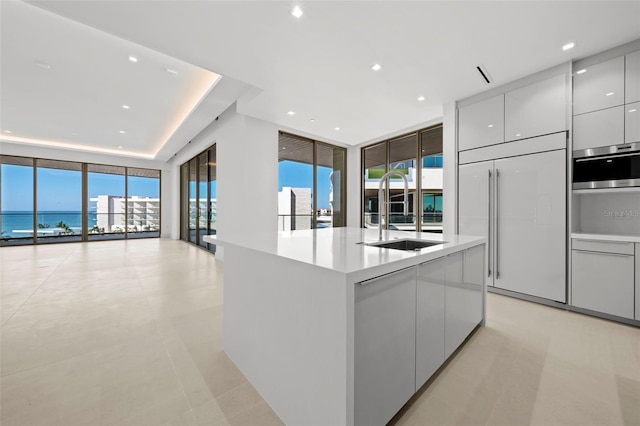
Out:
{"x": 12, "y": 221}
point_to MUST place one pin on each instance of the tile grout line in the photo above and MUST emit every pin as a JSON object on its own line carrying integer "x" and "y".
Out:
{"x": 38, "y": 287}
{"x": 166, "y": 349}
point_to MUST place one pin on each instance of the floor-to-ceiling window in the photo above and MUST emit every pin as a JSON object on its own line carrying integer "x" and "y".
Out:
{"x": 106, "y": 216}
{"x": 311, "y": 184}
{"x": 16, "y": 200}
{"x": 198, "y": 191}
{"x": 58, "y": 201}
{"x": 143, "y": 203}
{"x": 424, "y": 178}
{"x": 46, "y": 201}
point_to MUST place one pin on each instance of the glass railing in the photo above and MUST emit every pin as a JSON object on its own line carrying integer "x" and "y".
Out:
{"x": 295, "y": 222}
{"x": 18, "y": 228}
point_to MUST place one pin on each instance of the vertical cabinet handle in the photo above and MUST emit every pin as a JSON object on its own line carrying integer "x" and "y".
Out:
{"x": 489, "y": 227}
{"x": 497, "y": 224}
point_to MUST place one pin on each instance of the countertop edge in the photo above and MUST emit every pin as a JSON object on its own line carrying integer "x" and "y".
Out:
{"x": 607, "y": 237}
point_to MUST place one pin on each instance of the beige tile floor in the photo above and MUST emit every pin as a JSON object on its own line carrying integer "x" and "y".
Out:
{"x": 130, "y": 333}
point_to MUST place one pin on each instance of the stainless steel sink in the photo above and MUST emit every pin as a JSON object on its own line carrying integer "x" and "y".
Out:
{"x": 406, "y": 245}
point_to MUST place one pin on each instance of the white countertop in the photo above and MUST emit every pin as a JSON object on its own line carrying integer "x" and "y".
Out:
{"x": 605, "y": 237}
{"x": 338, "y": 249}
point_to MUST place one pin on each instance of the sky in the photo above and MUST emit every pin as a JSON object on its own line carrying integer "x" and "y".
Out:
{"x": 300, "y": 175}
{"x": 61, "y": 190}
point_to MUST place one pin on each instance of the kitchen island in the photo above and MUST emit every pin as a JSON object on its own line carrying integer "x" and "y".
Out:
{"x": 330, "y": 330}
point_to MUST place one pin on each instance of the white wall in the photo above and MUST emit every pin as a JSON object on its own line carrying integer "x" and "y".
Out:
{"x": 247, "y": 174}
{"x": 354, "y": 185}
{"x": 449, "y": 167}
{"x": 36, "y": 151}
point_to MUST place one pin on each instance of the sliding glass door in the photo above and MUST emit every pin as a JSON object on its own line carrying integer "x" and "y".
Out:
{"x": 16, "y": 200}
{"x": 198, "y": 198}
{"x": 311, "y": 184}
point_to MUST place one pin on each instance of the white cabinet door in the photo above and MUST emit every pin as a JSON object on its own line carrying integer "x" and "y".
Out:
{"x": 429, "y": 319}
{"x": 454, "y": 326}
{"x": 384, "y": 353}
{"x": 632, "y": 122}
{"x": 599, "y": 128}
{"x": 481, "y": 124}
{"x": 475, "y": 186}
{"x": 632, "y": 77}
{"x": 603, "y": 282}
{"x": 637, "y": 281}
{"x": 536, "y": 109}
{"x": 463, "y": 296}
{"x": 530, "y": 204}
{"x": 599, "y": 86}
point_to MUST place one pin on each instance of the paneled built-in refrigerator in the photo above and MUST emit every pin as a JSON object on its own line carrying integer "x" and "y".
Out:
{"x": 517, "y": 199}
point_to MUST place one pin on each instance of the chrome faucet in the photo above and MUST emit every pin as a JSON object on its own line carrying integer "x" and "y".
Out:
{"x": 382, "y": 203}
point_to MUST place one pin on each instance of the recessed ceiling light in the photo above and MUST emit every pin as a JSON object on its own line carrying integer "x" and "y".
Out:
{"x": 490, "y": 125}
{"x": 122, "y": 131}
{"x": 126, "y": 107}
{"x": 133, "y": 59}
{"x": 291, "y": 113}
{"x": 74, "y": 133}
{"x": 568, "y": 46}
{"x": 517, "y": 134}
{"x": 297, "y": 12}
{"x": 8, "y": 131}
{"x": 42, "y": 65}
{"x": 376, "y": 67}
{"x": 171, "y": 72}
{"x": 632, "y": 110}
{"x": 337, "y": 128}
{"x": 421, "y": 98}
{"x": 582, "y": 71}
{"x": 609, "y": 94}
{"x": 120, "y": 147}
{"x": 312, "y": 120}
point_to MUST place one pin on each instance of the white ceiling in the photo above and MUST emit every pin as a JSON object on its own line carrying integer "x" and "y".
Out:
{"x": 317, "y": 66}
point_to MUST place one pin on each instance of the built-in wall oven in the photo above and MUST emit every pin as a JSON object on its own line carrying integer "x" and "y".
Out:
{"x": 616, "y": 166}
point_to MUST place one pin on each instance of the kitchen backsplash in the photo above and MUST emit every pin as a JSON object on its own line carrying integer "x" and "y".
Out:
{"x": 609, "y": 213}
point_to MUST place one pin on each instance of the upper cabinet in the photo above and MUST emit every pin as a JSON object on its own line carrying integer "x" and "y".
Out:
{"x": 632, "y": 122}
{"x": 599, "y": 86}
{"x": 481, "y": 123}
{"x": 537, "y": 109}
{"x": 632, "y": 78}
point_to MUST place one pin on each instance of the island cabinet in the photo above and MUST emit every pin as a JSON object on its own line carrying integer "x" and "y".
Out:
{"x": 407, "y": 324}
{"x": 430, "y": 300}
{"x": 332, "y": 330}
{"x": 385, "y": 346}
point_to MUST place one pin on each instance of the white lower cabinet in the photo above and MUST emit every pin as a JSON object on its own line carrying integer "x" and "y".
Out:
{"x": 603, "y": 281}
{"x": 464, "y": 279}
{"x": 638, "y": 281}
{"x": 402, "y": 321}
{"x": 430, "y": 319}
{"x": 384, "y": 354}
